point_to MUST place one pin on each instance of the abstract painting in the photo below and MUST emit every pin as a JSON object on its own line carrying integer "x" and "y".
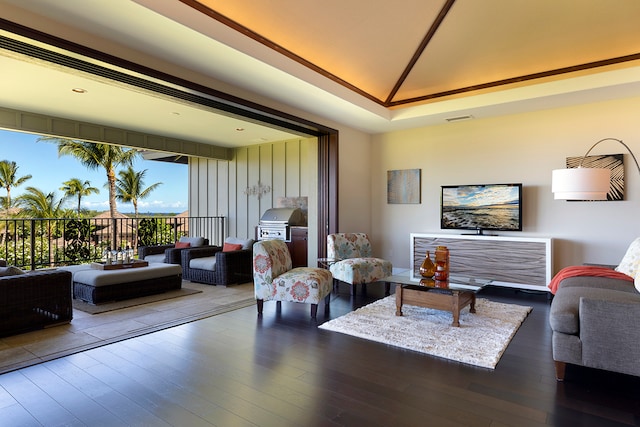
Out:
{"x": 403, "y": 186}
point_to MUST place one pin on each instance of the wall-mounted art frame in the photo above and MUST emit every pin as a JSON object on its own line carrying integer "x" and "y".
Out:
{"x": 615, "y": 162}
{"x": 404, "y": 186}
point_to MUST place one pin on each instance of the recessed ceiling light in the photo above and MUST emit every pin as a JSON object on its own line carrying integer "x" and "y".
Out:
{"x": 175, "y": 113}
{"x": 240, "y": 129}
{"x": 78, "y": 90}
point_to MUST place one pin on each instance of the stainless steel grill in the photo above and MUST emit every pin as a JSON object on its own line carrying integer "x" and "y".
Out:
{"x": 276, "y": 223}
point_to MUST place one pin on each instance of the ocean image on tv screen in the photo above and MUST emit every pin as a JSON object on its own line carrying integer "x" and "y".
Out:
{"x": 491, "y": 207}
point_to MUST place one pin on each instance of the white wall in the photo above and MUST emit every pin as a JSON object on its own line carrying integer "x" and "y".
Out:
{"x": 519, "y": 148}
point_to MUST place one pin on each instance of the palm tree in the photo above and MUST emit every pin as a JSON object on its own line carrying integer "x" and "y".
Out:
{"x": 36, "y": 204}
{"x": 94, "y": 156}
{"x": 76, "y": 187}
{"x": 9, "y": 179}
{"x": 130, "y": 187}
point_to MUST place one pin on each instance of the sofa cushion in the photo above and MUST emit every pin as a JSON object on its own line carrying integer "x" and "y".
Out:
{"x": 246, "y": 243}
{"x": 94, "y": 277}
{"x": 204, "y": 263}
{"x": 155, "y": 258}
{"x": 194, "y": 241}
{"x": 631, "y": 259}
{"x": 10, "y": 271}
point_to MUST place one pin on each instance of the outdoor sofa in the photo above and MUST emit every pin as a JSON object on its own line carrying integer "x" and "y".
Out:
{"x": 221, "y": 266}
{"x": 170, "y": 253}
{"x": 33, "y": 300}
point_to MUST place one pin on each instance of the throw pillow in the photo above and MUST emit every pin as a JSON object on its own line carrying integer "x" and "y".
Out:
{"x": 10, "y": 271}
{"x": 228, "y": 247}
{"x": 182, "y": 245}
{"x": 631, "y": 260}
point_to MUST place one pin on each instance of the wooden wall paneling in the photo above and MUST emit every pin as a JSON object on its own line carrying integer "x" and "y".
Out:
{"x": 307, "y": 165}
{"x": 279, "y": 187}
{"x": 266, "y": 178}
{"x": 221, "y": 195}
{"x": 231, "y": 213}
{"x": 242, "y": 201}
{"x": 253, "y": 175}
{"x": 292, "y": 168}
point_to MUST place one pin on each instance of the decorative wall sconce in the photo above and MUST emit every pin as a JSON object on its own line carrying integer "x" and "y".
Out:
{"x": 584, "y": 183}
{"x": 257, "y": 190}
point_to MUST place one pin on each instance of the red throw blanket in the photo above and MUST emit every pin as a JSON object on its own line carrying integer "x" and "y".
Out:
{"x": 585, "y": 270}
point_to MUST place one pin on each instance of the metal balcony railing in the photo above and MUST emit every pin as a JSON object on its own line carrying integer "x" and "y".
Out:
{"x": 48, "y": 242}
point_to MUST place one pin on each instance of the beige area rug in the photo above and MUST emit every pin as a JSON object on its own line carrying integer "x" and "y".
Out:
{"x": 87, "y": 331}
{"x": 480, "y": 340}
{"x": 118, "y": 305}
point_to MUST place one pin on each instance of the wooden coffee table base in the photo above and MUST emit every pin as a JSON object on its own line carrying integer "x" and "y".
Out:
{"x": 447, "y": 300}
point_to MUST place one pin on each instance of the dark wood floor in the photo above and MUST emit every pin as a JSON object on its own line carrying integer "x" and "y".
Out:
{"x": 237, "y": 370}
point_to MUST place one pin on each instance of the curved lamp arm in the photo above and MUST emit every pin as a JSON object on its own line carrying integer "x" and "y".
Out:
{"x": 611, "y": 139}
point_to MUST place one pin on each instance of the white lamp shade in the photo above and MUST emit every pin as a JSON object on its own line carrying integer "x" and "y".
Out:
{"x": 581, "y": 183}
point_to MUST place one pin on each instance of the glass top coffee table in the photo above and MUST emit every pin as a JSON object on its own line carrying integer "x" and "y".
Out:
{"x": 452, "y": 295}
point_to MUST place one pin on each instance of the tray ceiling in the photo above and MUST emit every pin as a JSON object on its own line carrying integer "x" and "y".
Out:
{"x": 407, "y": 51}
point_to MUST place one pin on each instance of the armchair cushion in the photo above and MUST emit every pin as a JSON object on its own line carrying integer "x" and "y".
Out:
{"x": 204, "y": 263}
{"x": 10, "y": 271}
{"x": 246, "y": 243}
{"x": 182, "y": 245}
{"x": 193, "y": 241}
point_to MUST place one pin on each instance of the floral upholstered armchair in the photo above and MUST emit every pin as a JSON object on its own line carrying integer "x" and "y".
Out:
{"x": 355, "y": 263}
{"x": 275, "y": 279}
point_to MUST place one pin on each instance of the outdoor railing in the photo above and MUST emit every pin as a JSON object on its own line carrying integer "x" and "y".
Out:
{"x": 36, "y": 242}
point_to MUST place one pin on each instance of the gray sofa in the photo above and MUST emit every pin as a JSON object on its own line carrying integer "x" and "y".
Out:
{"x": 596, "y": 323}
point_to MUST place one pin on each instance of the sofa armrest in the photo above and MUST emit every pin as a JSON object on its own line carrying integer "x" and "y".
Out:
{"x": 234, "y": 266}
{"x": 143, "y": 251}
{"x": 610, "y": 333}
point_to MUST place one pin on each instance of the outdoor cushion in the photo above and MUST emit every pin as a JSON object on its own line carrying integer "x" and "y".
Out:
{"x": 94, "y": 277}
{"x": 194, "y": 241}
{"x": 155, "y": 258}
{"x": 182, "y": 245}
{"x": 204, "y": 263}
{"x": 246, "y": 243}
{"x": 10, "y": 271}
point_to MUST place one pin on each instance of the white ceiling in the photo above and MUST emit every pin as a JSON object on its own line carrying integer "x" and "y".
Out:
{"x": 175, "y": 38}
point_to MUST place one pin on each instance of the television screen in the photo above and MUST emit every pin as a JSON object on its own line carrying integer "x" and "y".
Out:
{"x": 481, "y": 207}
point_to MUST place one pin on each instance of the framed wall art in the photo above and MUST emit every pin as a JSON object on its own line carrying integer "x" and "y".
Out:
{"x": 610, "y": 161}
{"x": 403, "y": 186}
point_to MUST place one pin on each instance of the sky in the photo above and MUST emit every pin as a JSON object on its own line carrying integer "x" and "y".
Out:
{"x": 48, "y": 171}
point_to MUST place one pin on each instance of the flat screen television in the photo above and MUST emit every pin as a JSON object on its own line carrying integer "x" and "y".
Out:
{"x": 485, "y": 207}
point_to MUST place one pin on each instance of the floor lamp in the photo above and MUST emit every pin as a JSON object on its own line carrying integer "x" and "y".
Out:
{"x": 584, "y": 183}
